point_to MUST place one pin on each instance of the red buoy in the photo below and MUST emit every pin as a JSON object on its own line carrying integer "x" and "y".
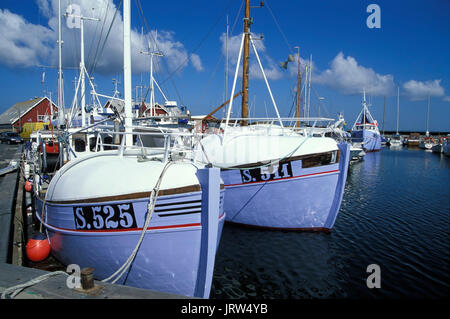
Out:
{"x": 28, "y": 186}
{"x": 38, "y": 248}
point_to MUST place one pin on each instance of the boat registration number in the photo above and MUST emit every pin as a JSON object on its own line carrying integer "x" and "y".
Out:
{"x": 104, "y": 217}
{"x": 266, "y": 173}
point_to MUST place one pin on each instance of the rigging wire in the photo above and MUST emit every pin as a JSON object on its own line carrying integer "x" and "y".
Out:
{"x": 220, "y": 59}
{"x": 145, "y": 23}
{"x": 96, "y": 58}
{"x": 279, "y": 28}
{"x": 201, "y": 41}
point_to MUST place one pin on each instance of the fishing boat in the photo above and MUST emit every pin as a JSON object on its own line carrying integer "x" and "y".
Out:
{"x": 275, "y": 177}
{"x": 365, "y": 130}
{"x": 142, "y": 217}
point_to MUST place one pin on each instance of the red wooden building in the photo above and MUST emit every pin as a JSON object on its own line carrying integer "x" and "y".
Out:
{"x": 28, "y": 116}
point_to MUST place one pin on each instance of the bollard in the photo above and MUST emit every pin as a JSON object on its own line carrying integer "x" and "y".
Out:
{"x": 87, "y": 278}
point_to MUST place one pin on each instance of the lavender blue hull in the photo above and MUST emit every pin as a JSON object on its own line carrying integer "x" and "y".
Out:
{"x": 171, "y": 257}
{"x": 310, "y": 199}
{"x": 371, "y": 140}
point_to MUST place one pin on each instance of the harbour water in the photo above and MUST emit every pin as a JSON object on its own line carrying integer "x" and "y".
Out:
{"x": 395, "y": 214}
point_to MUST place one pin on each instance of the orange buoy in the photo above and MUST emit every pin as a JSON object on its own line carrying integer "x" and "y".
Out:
{"x": 38, "y": 248}
{"x": 28, "y": 186}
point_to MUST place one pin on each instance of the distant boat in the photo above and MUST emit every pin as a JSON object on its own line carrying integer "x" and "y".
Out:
{"x": 365, "y": 130}
{"x": 396, "y": 140}
{"x": 446, "y": 146}
{"x": 439, "y": 147}
{"x": 413, "y": 139}
{"x": 427, "y": 142}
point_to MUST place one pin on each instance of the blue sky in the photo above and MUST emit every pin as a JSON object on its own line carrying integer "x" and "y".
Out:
{"x": 410, "y": 50}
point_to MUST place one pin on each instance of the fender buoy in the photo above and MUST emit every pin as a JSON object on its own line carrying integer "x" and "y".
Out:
{"x": 38, "y": 248}
{"x": 28, "y": 186}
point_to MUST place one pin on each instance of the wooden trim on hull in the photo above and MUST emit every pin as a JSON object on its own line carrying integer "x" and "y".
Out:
{"x": 309, "y": 160}
{"x": 300, "y": 229}
{"x": 163, "y": 192}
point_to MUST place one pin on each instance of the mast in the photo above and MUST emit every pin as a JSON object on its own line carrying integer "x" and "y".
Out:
{"x": 309, "y": 86}
{"x": 127, "y": 71}
{"x": 299, "y": 86}
{"x": 428, "y": 115}
{"x": 384, "y": 113}
{"x": 60, "y": 74}
{"x": 306, "y": 84}
{"x": 398, "y": 105}
{"x": 246, "y": 62}
{"x": 226, "y": 64}
{"x": 364, "y": 106}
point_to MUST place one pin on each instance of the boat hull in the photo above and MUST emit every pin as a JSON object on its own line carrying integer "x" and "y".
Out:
{"x": 371, "y": 140}
{"x": 308, "y": 199}
{"x": 178, "y": 249}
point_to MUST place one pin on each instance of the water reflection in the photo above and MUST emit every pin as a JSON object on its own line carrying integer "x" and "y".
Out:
{"x": 394, "y": 213}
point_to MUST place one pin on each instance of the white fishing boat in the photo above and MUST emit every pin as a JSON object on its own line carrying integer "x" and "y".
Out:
{"x": 365, "y": 130}
{"x": 144, "y": 217}
{"x": 274, "y": 176}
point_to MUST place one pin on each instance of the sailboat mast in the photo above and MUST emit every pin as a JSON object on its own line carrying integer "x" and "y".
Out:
{"x": 299, "y": 86}
{"x": 428, "y": 115}
{"x": 398, "y": 105}
{"x": 246, "y": 62}
{"x": 127, "y": 70}
{"x": 60, "y": 75}
{"x": 309, "y": 86}
{"x": 384, "y": 113}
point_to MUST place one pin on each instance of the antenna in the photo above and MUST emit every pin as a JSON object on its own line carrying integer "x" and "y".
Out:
{"x": 83, "y": 70}
{"x": 152, "y": 80}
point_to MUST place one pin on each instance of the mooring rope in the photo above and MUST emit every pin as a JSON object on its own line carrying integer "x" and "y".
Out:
{"x": 11, "y": 292}
{"x": 150, "y": 208}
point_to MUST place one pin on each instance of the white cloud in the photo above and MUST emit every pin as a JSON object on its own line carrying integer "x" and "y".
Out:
{"x": 446, "y": 99}
{"x": 196, "y": 62}
{"x": 417, "y": 90}
{"x": 44, "y": 8}
{"x": 23, "y": 44}
{"x": 348, "y": 77}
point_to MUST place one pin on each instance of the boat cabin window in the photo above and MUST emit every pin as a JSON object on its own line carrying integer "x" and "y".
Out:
{"x": 107, "y": 140}
{"x": 92, "y": 143}
{"x": 320, "y": 159}
{"x": 79, "y": 145}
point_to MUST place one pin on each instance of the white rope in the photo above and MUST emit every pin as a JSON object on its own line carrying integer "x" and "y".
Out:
{"x": 18, "y": 288}
{"x": 150, "y": 208}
